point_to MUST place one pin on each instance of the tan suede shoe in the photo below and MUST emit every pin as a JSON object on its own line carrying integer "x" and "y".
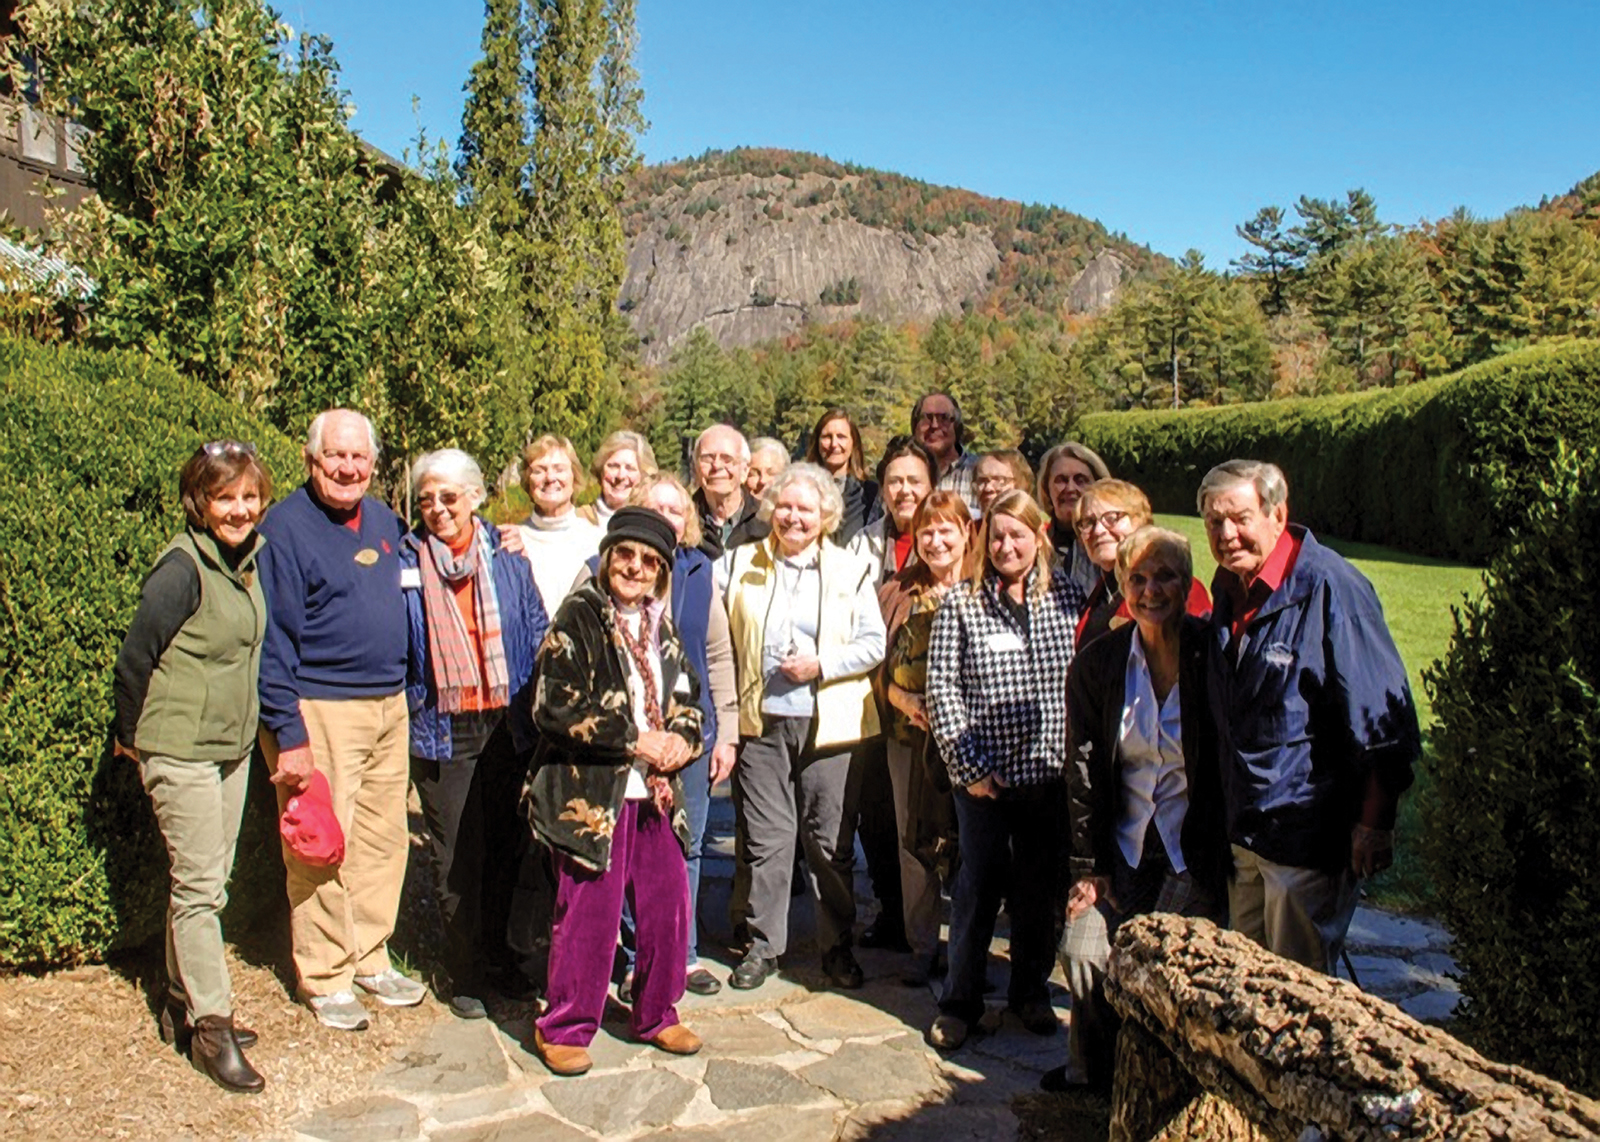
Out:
{"x": 677, "y": 1040}
{"x": 561, "y": 1060}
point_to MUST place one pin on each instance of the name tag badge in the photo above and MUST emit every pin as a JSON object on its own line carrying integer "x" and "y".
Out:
{"x": 1004, "y": 643}
{"x": 411, "y": 578}
{"x": 367, "y": 556}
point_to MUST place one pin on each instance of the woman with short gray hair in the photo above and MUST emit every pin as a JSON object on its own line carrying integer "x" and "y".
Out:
{"x": 807, "y": 635}
{"x": 475, "y": 622}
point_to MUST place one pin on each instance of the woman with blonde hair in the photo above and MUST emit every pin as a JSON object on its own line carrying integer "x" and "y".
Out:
{"x": 556, "y": 540}
{"x": 622, "y": 460}
{"x": 997, "y": 707}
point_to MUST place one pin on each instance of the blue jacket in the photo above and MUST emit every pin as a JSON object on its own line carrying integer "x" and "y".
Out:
{"x": 694, "y": 589}
{"x": 1317, "y": 700}
{"x": 522, "y": 625}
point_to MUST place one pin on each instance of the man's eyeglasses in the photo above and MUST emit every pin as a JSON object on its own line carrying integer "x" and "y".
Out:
{"x": 710, "y": 460}
{"x": 227, "y": 448}
{"x": 937, "y": 418}
{"x": 1109, "y": 520}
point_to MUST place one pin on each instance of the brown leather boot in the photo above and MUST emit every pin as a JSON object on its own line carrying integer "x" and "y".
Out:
{"x": 215, "y": 1052}
{"x": 177, "y": 1031}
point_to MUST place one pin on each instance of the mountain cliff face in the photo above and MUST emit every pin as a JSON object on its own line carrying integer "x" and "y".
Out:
{"x": 752, "y": 245}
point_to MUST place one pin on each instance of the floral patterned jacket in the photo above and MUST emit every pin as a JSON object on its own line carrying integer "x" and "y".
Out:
{"x": 579, "y": 774}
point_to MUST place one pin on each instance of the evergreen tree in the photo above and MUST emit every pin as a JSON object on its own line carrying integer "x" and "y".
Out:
{"x": 1277, "y": 263}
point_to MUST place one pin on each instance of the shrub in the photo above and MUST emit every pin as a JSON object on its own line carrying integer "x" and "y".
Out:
{"x": 1512, "y": 838}
{"x": 1444, "y": 467}
{"x": 90, "y": 448}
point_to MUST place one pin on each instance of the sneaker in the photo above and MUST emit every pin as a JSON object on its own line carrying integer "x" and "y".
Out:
{"x": 342, "y": 1011}
{"x": 392, "y": 989}
{"x": 948, "y": 1032}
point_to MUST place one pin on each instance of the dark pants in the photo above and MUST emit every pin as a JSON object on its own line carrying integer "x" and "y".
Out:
{"x": 647, "y": 871}
{"x": 469, "y": 804}
{"x": 1010, "y": 849}
{"x": 869, "y": 801}
{"x": 780, "y": 786}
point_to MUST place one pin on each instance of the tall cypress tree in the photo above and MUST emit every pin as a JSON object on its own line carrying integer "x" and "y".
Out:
{"x": 548, "y": 136}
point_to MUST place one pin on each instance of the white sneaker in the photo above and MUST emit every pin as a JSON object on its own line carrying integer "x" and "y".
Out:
{"x": 392, "y": 989}
{"x": 342, "y": 1011}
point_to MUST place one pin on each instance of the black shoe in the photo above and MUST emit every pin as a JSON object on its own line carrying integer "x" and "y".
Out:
{"x": 1055, "y": 1081}
{"x": 215, "y": 1052}
{"x": 702, "y": 982}
{"x": 752, "y": 972}
{"x": 883, "y": 934}
{"x": 841, "y": 969}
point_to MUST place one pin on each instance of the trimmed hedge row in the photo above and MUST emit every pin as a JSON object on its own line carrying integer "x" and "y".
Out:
{"x": 1445, "y": 468}
{"x": 1512, "y": 822}
{"x": 90, "y": 448}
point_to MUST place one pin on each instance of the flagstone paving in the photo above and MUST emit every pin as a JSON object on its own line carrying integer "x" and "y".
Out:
{"x": 789, "y": 1062}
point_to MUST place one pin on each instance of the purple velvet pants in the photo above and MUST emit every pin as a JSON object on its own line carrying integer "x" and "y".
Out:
{"x": 647, "y": 867}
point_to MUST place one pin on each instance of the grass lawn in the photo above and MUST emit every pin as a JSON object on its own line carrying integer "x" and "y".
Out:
{"x": 1417, "y": 593}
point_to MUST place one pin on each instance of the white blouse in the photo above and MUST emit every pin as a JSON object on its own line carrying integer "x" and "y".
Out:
{"x": 1154, "y": 783}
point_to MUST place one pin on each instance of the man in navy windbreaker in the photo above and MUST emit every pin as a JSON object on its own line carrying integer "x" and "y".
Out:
{"x": 1315, "y": 718}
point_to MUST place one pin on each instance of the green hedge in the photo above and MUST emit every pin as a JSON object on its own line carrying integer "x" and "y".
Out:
{"x": 1513, "y": 828}
{"x": 90, "y": 448}
{"x": 1445, "y": 467}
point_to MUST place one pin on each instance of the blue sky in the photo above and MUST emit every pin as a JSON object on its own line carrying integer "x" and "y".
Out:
{"x": 1169, "y": 122}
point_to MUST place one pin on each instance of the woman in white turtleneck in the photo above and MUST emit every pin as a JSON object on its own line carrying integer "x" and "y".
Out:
{"x": 555, "y": 538}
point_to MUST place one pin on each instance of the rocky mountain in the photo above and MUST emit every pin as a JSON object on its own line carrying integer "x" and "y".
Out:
{"x": 754, "y": 244}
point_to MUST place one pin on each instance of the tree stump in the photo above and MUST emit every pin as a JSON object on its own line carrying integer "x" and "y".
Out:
{"x": 1298, "y": 1054}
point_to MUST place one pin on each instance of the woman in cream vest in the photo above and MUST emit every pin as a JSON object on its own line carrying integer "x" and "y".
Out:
{"x": 807, "y": 636}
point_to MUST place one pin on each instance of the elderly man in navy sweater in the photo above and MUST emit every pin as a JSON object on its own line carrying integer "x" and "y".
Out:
{"x": 333, "y": 675}
{"x": 1315, "y": 721}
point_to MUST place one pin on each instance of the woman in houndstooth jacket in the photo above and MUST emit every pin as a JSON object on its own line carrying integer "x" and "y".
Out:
{"x": 997, "y": 686}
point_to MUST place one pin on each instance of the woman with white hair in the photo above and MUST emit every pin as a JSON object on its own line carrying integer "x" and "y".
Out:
{"x": 475, "y": 620}
{"x": 768, "y": 457}
{"x": 623, "y": 459}
{"x": 807, "y": 636}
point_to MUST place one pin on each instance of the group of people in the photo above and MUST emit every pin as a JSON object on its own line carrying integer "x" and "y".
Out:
{"x": 1011, "y": 689}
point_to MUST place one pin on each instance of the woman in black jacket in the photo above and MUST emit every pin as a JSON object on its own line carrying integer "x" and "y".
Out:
{"x": 1143, "y": 785}
{"x": 836, "y": 445}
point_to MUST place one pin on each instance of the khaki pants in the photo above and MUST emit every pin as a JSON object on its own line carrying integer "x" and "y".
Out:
{"x": 198, "y": 805}
{"x": 341, "y": 918}
{"x": 1301, "y": 914}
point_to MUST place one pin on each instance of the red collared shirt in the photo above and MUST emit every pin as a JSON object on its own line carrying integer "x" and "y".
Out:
{"x": 1247, "y": 601}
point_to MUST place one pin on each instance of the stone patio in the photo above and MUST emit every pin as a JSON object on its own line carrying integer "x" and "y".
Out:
{"x": 789, "y": 1062}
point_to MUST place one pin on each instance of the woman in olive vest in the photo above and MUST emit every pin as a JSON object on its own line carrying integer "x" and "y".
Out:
{"x": 186, "y": 713}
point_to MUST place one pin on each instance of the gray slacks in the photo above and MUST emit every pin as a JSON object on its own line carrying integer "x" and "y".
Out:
{"x": 781, "y": 786}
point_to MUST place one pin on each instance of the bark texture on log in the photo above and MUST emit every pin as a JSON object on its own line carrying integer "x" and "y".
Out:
{"x": 1156, "y": 1100}
{"x": 1305, "y": 1055}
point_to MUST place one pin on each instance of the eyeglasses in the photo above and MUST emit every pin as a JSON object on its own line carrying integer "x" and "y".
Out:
{"x": 995, "y": 482}
{"x": 628, "y": 553}
{"x": 1109, "y": 520}
{"x": 216, "y": 448}
{"x": 716, "y": 460}
{"x": 937, "y": 418}
{"x": 444, "y": 499}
